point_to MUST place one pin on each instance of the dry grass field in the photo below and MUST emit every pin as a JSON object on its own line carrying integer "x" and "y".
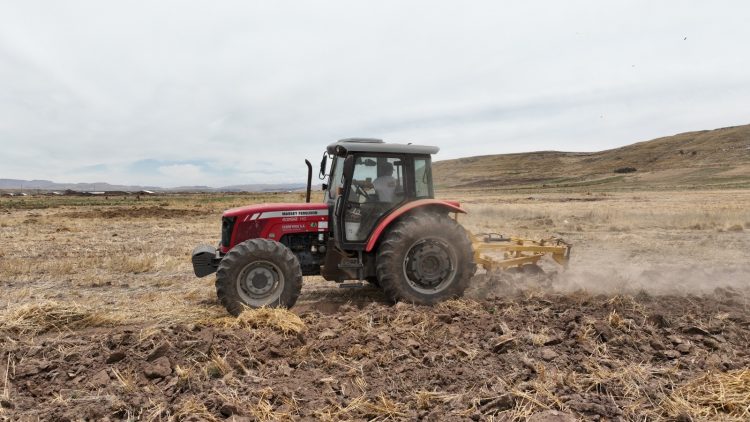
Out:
{"x": 101, "y": 318}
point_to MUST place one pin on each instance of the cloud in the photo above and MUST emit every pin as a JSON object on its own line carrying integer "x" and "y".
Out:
{"x": 242, "y": 92}
{"x": 188, "y": 174}
{"x": 94, "y": 168}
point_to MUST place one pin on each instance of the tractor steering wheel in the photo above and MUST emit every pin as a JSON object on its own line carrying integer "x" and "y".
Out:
{"x": 361, "y": 191}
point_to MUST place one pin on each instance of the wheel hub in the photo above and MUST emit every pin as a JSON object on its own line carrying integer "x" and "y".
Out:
{"x": 258, "y": 281}
{"x": 428, "y": 264}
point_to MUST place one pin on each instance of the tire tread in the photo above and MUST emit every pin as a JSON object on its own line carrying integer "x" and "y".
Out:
{"x": 392, "y": 251}
{"x": 244, "y": 253}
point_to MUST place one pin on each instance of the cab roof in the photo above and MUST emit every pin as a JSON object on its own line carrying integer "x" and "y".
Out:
{"x": 377, "y": 145}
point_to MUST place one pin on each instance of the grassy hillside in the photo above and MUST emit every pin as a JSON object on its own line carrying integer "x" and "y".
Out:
{"x": 717, "y": 158}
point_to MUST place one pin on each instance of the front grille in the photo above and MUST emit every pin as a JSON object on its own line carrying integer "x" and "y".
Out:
{"x": 227, "y": 224}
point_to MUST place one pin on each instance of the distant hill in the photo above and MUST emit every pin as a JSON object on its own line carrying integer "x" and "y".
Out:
{"x": 717, "y": 158}
{"x": 46, "y": 185}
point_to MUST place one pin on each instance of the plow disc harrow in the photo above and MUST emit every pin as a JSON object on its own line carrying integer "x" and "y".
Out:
{"x": 517, "y": 253}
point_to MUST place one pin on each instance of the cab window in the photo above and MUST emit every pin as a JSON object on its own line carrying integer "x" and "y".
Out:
{"x": 337, "y": 173}
{"x": 422, "y": 178}
{"x": 377, "y": 187}
{"x": 377, "y": 179}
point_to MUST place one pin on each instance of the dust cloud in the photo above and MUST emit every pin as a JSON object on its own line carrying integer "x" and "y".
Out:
{"x": 610, "y": 273}
{"x": 667, "y": 279}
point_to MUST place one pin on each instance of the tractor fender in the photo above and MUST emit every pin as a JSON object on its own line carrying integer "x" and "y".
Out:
{"x": 449, "y": 206}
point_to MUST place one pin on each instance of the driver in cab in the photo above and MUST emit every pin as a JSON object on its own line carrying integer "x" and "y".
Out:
{"x": 385, "y": 185}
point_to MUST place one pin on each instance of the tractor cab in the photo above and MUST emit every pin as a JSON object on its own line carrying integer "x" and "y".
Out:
{"x": 368, "y": 180}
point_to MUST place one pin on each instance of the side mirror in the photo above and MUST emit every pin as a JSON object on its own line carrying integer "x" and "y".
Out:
{"x": 323, "y": 163}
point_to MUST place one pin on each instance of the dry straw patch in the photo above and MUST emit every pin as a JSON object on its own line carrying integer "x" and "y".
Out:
{"x": 713, "y": 396}
{"x": 217, "y": 366}
{"x": 191, "y": 408}
{"x": 278, "y": 319}
{"x": 377, "y": 409}
{"x": 37, "y": 318}
{"x": 460, "y": 305}
{"x": 425, "y": 400}
{"x": 263, "y": 409}
{"x": 5, "y": 392}
{"x": 384, "y": 408}
{"x": 135, "y": 264}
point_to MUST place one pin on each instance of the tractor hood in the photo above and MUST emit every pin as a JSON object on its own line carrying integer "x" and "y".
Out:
{"x": 279, "y": 210}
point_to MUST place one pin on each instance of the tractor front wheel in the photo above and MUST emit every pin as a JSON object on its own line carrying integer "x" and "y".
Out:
{"x": 257, "y": 273}
{"x": 424, "y": 259}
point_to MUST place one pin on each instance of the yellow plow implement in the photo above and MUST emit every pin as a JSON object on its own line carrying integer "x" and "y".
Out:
{"x": 517, "y": 252}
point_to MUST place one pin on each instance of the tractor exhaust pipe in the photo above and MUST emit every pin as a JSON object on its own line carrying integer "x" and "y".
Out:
{"x": 309, "y": 180}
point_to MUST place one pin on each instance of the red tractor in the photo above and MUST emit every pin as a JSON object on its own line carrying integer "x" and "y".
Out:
{"x": 379, "y": 223}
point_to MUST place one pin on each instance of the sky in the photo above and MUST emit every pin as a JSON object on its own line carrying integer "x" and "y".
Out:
{"x": 217, "y": 93}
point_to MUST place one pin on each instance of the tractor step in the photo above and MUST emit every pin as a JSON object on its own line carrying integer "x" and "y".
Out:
{"x": 351, "y": 285}
{"x": 351, "y": 264}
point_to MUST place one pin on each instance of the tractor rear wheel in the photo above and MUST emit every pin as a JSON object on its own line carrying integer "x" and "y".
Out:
{"x": 373, "y": 281}
{"x": 257, "y": 273}
{"x": 424, "y": 259}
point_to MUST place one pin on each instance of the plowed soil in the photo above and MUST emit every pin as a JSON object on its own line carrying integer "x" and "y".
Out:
{"x": 612, "y": 357}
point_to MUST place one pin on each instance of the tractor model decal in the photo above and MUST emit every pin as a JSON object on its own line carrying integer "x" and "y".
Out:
{"x": 286, "y": 215}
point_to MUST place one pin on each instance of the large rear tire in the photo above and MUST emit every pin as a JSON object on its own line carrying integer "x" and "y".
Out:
{"x": 257, "y": 273}
{"x": 425, "y": 258}
{"x": 373, "y": 281}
